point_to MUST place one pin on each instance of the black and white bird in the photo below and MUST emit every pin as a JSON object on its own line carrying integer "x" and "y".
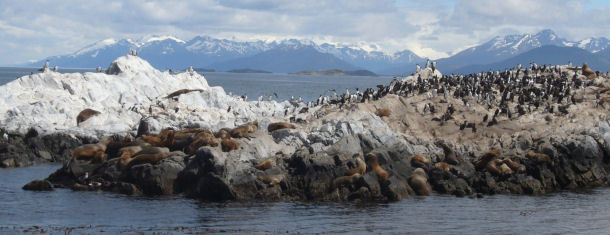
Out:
{"x": 84, "y": 177}
{"x": 5, "y": 138}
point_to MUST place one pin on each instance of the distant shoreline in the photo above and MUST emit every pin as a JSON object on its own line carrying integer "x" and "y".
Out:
{"x": 337, "y": 72}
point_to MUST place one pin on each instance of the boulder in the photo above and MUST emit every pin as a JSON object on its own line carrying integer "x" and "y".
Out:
{"x": 39, "y": 185}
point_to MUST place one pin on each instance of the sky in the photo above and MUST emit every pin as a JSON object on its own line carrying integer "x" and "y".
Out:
{"x": 32, "y": 30}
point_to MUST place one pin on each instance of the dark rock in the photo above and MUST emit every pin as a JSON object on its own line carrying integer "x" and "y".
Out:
{"x": 123, "y": 188}
{"x": 157, "y": 179}
{"x": 38, "y": 185}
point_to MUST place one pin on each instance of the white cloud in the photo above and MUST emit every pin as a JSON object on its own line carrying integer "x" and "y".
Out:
{"x": 432, "y": 28}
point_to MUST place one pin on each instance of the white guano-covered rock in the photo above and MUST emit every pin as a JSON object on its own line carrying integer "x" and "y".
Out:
{"x": 131, "y": 89}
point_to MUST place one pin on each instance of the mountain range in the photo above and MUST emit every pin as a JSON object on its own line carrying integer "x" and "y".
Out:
{"x": 289, "y": 56}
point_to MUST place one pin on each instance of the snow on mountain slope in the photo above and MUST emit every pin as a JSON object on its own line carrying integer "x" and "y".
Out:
{"x": 133, "y": 89}
{"x": 96, "y": 46}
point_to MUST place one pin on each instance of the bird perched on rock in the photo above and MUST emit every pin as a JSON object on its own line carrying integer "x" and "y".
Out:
{"x": 5, "y": 138}
{"x": 84, "y": 177}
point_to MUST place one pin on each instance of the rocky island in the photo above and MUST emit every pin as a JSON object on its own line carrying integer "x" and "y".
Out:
{"x": 522, "y": 131}
{"x": 247, "y": 71}
{"x": 337, "y": 72}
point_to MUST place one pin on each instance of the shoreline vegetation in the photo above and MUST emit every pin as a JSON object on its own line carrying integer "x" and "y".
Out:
{"x": 523, "y": 131}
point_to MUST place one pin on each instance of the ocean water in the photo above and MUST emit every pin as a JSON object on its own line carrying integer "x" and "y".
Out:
{"x": 65, "y": 211}
{"x": 253, "y": 85}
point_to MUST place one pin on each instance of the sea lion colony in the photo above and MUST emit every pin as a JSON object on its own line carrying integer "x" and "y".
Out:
{"x": 502, "y": 96}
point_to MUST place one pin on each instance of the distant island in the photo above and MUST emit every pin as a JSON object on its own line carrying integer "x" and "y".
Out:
{"x": 201, "y": 70}
{"x": 247, "y": 71}
{"x": 337, "y": 72}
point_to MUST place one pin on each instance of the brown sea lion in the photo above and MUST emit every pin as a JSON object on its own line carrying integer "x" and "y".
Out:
{"x": 488, "y": 156}
{"x": 280, "y": 125}
{"x": 271, "y": 179}
{"x": 420, "y": 161}
{"x": 165, "y": 138}
{"x": 450, "y": 156}
{"x": 419, "y": 182}
{"x": 442, "y": 166}
{"x": 85, "y": 114}
{"x": 266, "y": 164}
{"x": 505, "y": 169}
{"x": 180, "y": 92}
{"x": 345, "y": 180}
{"x": 127, "y": 152}
{"x": 538, "y": 157}
{"x": 492, "y": 167}
{"x": 239, "y": 132}
{"x": 515, "y": 166}
{"x": 150, "y": 155}
{"x": 244, "y": 130}
{"x": 360, "y": 169}
{"x": 587, "y": 71}
{"x": 229, "y": 144}
{"x": 191, "y": 131}
{"x": 92, "y": 152}
{"x": 373, "y": 163}
{"x": 384, "y": 112}
{"x": 204, "y": 138}
{"x": 223, "y": 133}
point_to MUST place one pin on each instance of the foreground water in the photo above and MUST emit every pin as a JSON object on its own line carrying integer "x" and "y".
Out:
{"x": 253, "y": 85}
{"x": 95, "y": 212}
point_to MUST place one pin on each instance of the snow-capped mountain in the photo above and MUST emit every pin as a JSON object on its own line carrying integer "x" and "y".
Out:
{"x": 501, "y": 48}
{"x": 376, "y": 61}
{"x": 287, "y": 58}
{"x": 593, "y": 45}
{"x": 165, "y": 52}
{"x": 545, "y": 55}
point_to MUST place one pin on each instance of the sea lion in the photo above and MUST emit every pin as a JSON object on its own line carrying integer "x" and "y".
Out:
{"x": 442, "y": 166}
{"x": 505, "y": 169}
{"x": 165, "y": 138}
{"x": 150, "y": 155}
{"x": 420, "y": 161}
{"x": 360, "y": 169}
{"x": 488, "y": 156}
{"x": 125, "y": 153}
{"x": 587, "y": 71}
{"x": 515, "y": 166}
{"x": 266, "y": 164}
{"x": 345, "y": 180}
{"x": 450, "y": 156}
{"x": 112, "y": 148}
{"x": 229, "y": 144}
{"x": 384, "y": 112}
{"x": 271, "y": 179}
{"x": 244, "y": 130}
{"x": 204, "y": 138}
{"x": 93, "y": 152}
{"x": 373, "y": 163}
{"x": 280, "y": 125}
{"x": 419, "y": 182}
{"x": 538, "y": 157}
{"x": 492, "y": 167}
{"x": 223, "y": 133}
{"x": 180, "y": 92}
{"x": 85, "y": 114}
